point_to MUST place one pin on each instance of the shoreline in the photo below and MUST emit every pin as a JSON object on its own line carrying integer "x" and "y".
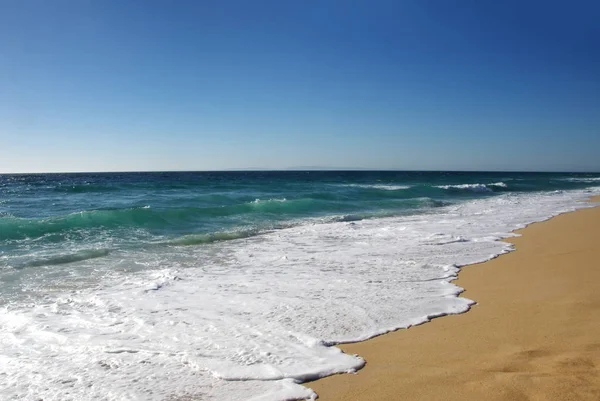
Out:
{"x": 511, "y": 344}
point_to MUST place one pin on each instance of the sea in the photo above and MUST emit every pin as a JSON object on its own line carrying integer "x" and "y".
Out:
{"x": 238, "y": 285}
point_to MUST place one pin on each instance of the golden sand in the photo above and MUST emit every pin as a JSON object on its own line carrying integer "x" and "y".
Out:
{"x": 534, "y": 334}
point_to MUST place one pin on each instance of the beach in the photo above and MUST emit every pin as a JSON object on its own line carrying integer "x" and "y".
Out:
{"x": 534, "y": 333}
{"x": 234, "y": 285}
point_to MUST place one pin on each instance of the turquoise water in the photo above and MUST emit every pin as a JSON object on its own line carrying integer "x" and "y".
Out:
{"x": 235, "y": 285}
{"x": 96, "y": 214}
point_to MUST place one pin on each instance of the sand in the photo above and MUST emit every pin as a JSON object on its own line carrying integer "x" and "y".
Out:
{"x": 533, "y": 335}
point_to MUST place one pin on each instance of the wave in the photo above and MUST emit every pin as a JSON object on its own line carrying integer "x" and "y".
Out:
{"x": 66, "y": 258}
{"x": 474, "y": 187}
{"x": 385, "y": 187}
{"x": 198, "y": 239}
{"x": 19, "y": 228}
{"x": 193, "y": 219}
{"x": 259, "y": 201}
{"x": 582, "y": 179}
{"x": 149, "y": 218}
{"x": 206, "y": 238}
{"x": 498, "y": 184}
{"x": 413, "y": 204}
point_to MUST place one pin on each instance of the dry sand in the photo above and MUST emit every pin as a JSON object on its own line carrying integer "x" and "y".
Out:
{"x": 534, "y": 334}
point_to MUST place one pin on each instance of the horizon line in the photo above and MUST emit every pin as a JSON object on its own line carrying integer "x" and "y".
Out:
{"x": 300, "y": 169}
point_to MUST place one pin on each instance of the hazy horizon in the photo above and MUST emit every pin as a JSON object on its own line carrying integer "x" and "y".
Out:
{"x": 300, "y": 169}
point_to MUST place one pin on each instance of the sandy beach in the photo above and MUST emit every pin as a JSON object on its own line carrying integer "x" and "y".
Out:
{"x": 534, "y": 333}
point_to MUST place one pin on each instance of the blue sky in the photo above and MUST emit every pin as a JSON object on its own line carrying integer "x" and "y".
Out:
{"x": 206, "y": 85}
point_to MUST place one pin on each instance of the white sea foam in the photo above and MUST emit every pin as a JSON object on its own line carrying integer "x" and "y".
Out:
{"x": 378, "y": 186}
{"x": 269, "y": 200}
{"x": 474, "y": 187}
{"x": 582, "y": 179}
{"x": 250, "y": 318}
{"x": 498, "y": 184}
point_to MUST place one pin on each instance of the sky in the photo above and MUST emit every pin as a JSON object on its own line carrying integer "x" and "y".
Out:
{"x": 138, "y": 85}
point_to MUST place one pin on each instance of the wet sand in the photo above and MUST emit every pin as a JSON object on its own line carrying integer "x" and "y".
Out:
{"x": 533, "y": 335}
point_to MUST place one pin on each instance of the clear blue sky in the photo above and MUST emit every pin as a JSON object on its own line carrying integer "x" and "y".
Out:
{"x": 103, "y": 85}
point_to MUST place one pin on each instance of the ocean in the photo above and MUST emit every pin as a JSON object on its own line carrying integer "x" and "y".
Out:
{"x": 237, "y": 285}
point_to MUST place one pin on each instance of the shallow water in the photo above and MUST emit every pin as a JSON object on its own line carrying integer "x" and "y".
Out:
{"x": 156, "y": 286}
